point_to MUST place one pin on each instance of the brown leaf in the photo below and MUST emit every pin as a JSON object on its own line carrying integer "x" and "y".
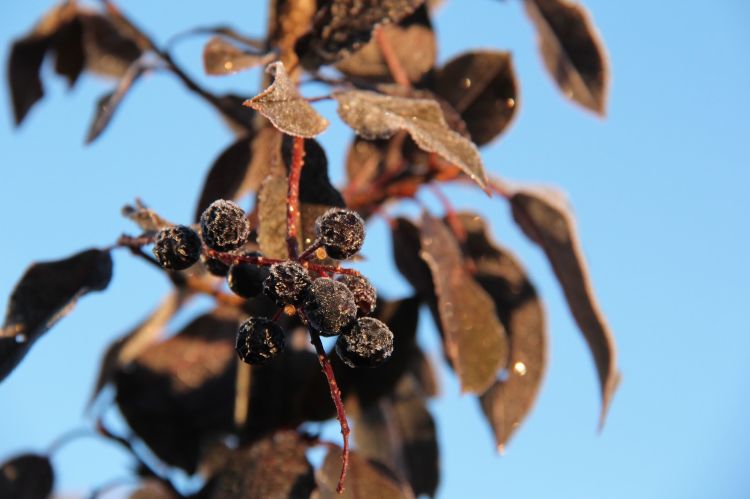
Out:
{"x": 24, "y": 63}
{"x": 285, "y": 108}
{"x": 413, "y": 43}
{"x": 365, "y": 480}
{"x": 475, "y": 340}
{"x": 26, "y": 476}
{"x": 572, "y": 51}
{"x": 481, "y": 86}
{"x": 70, "y": 59}
{"x": 45, "y": 293}
{"x": 222, "y": 58}
{"x": 143, "y": 216}
{"x": 109, "y": 50}
{"x": 109, "y": 103}
{"x": 341, "y": 26}
{"x": 273, "y": 468}
{"x": 406, "y": 247}
{"x": 510, "y": 398}
{"x": 545, "y": 218}
{"x": 377, "y": 116}
{"x": 272, "y": 216}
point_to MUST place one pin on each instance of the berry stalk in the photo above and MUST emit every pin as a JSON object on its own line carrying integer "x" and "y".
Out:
{"x": 292, "y": 206}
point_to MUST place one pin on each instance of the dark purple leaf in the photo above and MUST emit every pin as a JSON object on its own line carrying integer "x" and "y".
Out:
{"x": 70, "y": 59}
{"x": 406, "y": 247}
{"x": 545, "y": 218}
{"x": 572, "y": 51}
{"x": 108, "y": 103}
{"x": 365, "y": 480}
{"x": 27, "y": 476}
{"x": 45, "y": 293}
{"x": 24, "y": 63}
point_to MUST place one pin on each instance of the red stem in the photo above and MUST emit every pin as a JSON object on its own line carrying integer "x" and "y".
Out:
{"x": 292, "y": 202}
{"x": 450, "y": 213}
{"x": 391, "y": 60}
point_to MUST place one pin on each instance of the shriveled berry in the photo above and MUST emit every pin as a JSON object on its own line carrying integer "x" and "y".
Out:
{"x": 177, "y": 248}
{"x": 364, "y": 292}
{"x": 368, "y": 343}
{"x": 246, "y": 279}
{"x": 329, "y": 306}
{"x": 341, "y": 231}
{"x": 259, "y": 340}
{"x": 215, "y": 266}
{"x": 224, "y": 226}
{"x": 287, "y": 283}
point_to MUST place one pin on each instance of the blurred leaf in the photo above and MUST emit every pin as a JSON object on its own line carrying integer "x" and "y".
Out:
{"x": 70, "y": 59}
{"x": 341, "y": 26}
{"x": 272, "y": 468}
{"x": 474, "y": 339}
{"x": 413, "y": 43}
{"x": 481, "y": 86}
{"x": 572, "y": 51}
{"x": 510, "y": 398}
{"x": 24, "y": 63}
{"x": 109, "y": 49}
{"x": 406, "y": 247}
{"x": 365, "y": 480}
{"x": 378, "y": 116}
{"x": 315, "y": 184}
{"x": 222, "y": 58}
{"x": 272, "y": 216}
{"x": 143, "y": 216}
{"x": 286, "y": 108}
{"x": 45, "y": 293}
{"x": 27, "y": 476}
{"x": 108, "y": 103}
{"x": 152, "y": 489}
{"x": 545, "y": 218}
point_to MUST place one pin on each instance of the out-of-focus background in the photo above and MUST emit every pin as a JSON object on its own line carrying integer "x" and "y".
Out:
{"x": 660, "y": 189}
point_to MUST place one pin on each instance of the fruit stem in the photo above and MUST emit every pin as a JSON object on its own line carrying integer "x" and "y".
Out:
{"x": 391, "y": 60}
{"x": 310, "y": 251}
{"x": 325, "y": 364}
{"x": 292, "y": 201}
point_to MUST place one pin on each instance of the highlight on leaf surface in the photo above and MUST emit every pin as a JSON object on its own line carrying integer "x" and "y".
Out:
{"x": 376, "y": 116}
{"x": 285, "y": 108}
{"x": 572, "y": 51}
{"x": 545, "y": 218}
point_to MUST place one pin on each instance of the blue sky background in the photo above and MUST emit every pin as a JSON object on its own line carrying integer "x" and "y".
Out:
{"x": 660, "y": 189}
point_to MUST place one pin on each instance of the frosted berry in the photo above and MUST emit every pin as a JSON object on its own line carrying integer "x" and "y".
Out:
{"x": 224, "y": 226}
{"x": 329, "y": 306}
{"x": 368, "y": 343}
{"x": 177, "y": 248}
{"x": 341, "y": 231}
{"x": 364, "y": 292}
{"x": 287, "y": 283}
{"x": 246, "y": 279}
{"x": 215, "y": 266}
{"x": 259, "y": 340}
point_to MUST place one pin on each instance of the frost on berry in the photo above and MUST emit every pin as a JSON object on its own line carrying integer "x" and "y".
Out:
{"x": 365, "y": 295}
{"x": 341, "y": 231}
{"x": 259, "y": 340}
{"x": 224, "y": 226}
{"x": 330, "y": 306}
{"x": 287, "y": 283}
{"x": 368, "y": 343}
{"x": 177, "y": 248}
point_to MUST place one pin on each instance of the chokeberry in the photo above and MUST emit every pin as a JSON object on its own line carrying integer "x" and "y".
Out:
{"x": 364, "y": 292}
{"x": 341, "y": 231}
{"x": 368, "y": 343}
{"x": 246, "y": 279}
{"x": 215, "y": 266}
{"x": 177, "y": 248}
{"x": 259, "y": 340}
{"x": 224, "y": 226}
{"x": 287, "y": 283}
{"x": 329, "y": 306}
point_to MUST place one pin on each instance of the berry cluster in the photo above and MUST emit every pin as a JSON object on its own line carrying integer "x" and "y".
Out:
{"x": 329, "y": 307}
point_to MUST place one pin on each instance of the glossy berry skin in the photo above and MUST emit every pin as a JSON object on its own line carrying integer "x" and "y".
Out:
{"x": 287, "y": 283}
{"x": 259, "y": 340}
{"x": 224, "y": 226}
{"x": 246, "y": 279}
{"x": 177, "y": 248}
{"x": 368, "y": 343}
{"x": 341, "y": 231}
{"x": 329, "y": 306}
{"x": 215, "y": 266}
{"x": 364, "y": 292}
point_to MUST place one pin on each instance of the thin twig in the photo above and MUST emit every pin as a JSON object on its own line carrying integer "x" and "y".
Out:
{"x": 391, "y": 59}
{"x": 292, "y": 201}
{"x": 457, "y": 227}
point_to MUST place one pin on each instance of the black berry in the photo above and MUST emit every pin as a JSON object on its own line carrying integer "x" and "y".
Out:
{"x": 329, "y": 306}
{"x": 341, "y": 231}
{"x": 224, "y": 226}
{"x": 259, "y": 340}
{"x": 368, "y": 343}
{"x": 177, "y": 248}
{"x": 364, "y": 292}
{"x": 287, "y": 282}
{"x": 215, "y": 266}
{"x": 246, "y": 279}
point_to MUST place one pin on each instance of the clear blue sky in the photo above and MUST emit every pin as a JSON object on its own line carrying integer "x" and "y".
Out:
{"x": 661, "y": 193}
